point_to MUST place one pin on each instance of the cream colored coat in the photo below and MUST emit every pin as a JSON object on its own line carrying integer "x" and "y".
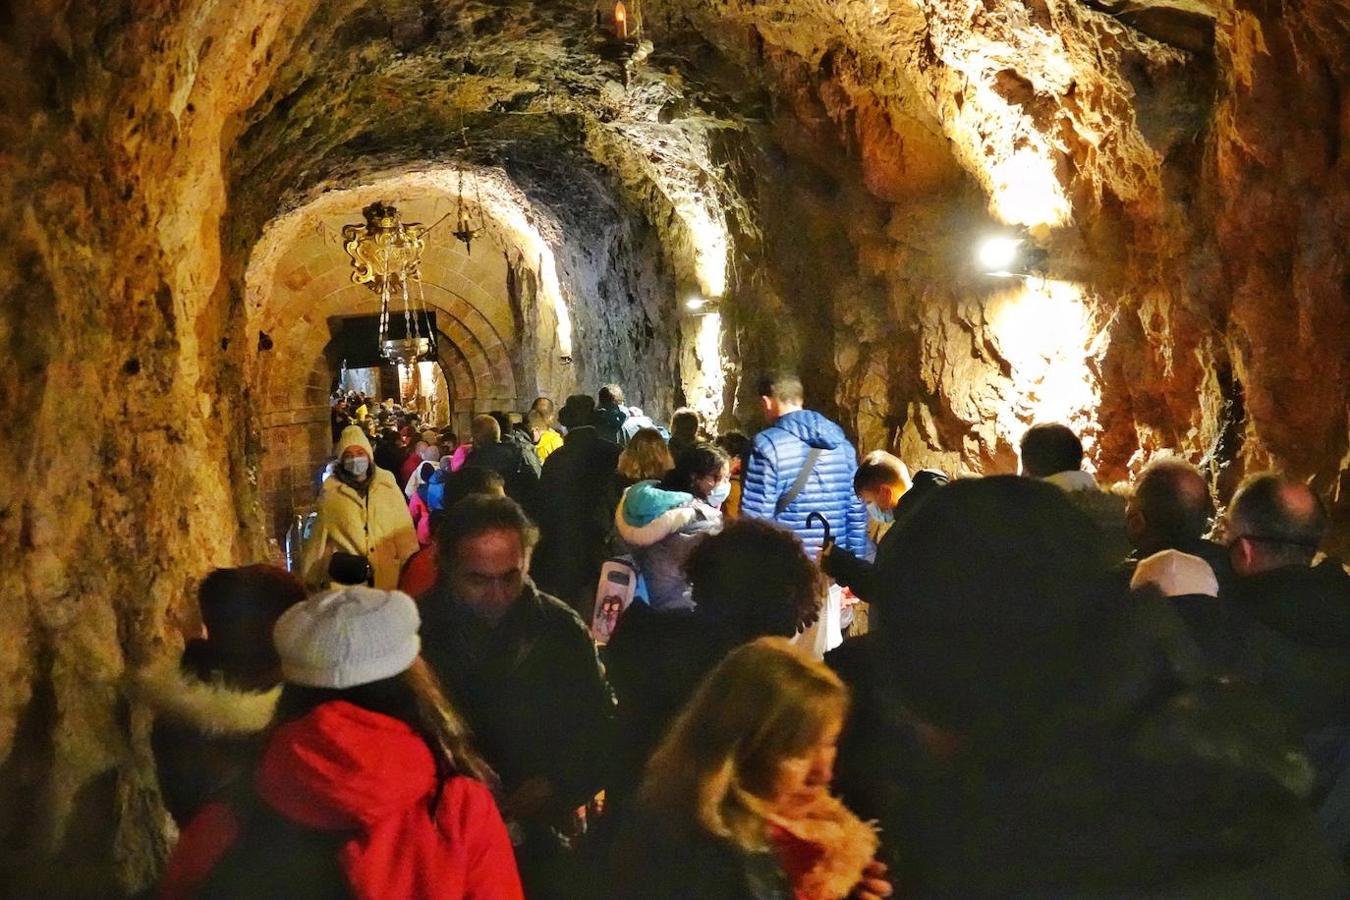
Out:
{"x": 377, "y": 526}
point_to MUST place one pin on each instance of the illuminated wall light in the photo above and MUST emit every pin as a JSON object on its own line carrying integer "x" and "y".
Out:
{"x": 1003, "y": 256}
{"x": 998, "y": 255}
{"x": 619, "y": 19}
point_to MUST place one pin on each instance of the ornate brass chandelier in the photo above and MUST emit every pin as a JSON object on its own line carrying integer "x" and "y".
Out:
{"x": 386, "y": 256}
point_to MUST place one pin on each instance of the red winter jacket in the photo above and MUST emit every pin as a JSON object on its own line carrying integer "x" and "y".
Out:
{"x": 406, "y": 469}
{"x": 342, "y": 767}
{"x": 419, "y": 572}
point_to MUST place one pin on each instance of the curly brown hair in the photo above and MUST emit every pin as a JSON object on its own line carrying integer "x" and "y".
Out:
{"x": 755, "y": 577}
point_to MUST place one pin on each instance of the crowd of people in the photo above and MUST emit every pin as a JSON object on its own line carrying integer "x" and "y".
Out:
{"x": 828, "y": 676}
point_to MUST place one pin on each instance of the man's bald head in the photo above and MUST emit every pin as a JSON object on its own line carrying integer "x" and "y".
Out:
{"x": 1274, "y": 521}
{"x": 1171, "y": 506}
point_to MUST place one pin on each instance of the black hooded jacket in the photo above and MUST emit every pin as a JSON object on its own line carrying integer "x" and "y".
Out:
{"x": 577, "y": 497}
{"x": 1297, "y": 627}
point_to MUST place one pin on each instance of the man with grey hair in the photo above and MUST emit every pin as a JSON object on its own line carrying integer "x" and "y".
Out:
{"x": 1170, "y": 509}
{"x": 523, "y": 671}
{"x": 1297, "y": 615}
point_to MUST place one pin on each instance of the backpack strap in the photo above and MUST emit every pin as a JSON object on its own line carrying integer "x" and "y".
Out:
{"x": 812, "y": 457}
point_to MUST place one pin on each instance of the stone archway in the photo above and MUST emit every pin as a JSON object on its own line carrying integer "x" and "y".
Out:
{"x": 302, "y": 294}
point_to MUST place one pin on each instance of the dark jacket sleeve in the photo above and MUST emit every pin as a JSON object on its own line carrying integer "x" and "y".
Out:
{"x": 590, "y": 714}
{"x": 858, "y": 575}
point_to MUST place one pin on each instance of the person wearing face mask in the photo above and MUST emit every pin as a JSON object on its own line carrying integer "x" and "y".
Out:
{"x": 662, "y": 522}
{"x": 883, "y": 483}
{"x": 361, "y": 511}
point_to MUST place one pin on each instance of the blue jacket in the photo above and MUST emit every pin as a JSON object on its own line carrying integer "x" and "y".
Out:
{"x": 777, "y": 457}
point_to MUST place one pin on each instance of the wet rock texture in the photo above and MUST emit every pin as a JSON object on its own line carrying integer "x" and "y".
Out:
{"x": 821, "y": 167}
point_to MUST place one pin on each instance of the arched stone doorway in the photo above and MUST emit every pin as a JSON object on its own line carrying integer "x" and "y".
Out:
{"x": 307, "y": 295}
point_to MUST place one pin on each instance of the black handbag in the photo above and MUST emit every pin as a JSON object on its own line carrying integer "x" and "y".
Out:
{"x": 350, "y": 568}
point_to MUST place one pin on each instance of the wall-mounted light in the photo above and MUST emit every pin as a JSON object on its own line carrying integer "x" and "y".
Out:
{"x": 698, "y": 305}
{"x": 1006, "y": 256}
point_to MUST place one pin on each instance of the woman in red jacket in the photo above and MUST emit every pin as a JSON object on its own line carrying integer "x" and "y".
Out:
{"x": 367, "y": 787}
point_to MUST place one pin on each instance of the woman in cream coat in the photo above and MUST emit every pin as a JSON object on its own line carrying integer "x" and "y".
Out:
{"x": 361, "y": 511}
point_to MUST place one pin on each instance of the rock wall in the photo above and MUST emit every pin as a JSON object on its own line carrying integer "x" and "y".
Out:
{"x": 1182, "y": 163}
{"x": 127, "y": 407}
{"x": 1277, "y": 188}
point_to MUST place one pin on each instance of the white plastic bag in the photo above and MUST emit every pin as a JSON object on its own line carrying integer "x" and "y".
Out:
{"x": 827, "y": 631}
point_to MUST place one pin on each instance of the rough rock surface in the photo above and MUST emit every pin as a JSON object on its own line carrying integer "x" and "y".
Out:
{"x": 820, "y": 168}
{"x": 1182, "y": 162}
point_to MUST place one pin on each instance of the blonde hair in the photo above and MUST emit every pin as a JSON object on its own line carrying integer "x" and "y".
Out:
{"x": 765, "y": 703}
{"x": 646, "y": 456}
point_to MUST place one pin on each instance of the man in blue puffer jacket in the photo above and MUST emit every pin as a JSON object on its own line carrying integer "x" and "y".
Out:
{"x": 777, "y": 458}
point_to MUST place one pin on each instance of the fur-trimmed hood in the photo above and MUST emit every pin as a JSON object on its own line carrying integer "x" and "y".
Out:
{"x": 646, "y": 514}
{"x": 212, "y": 708}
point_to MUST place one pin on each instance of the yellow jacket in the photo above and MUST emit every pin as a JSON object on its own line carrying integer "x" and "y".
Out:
{"x": 376, "y": 526}
{"x": 549, "y": 441}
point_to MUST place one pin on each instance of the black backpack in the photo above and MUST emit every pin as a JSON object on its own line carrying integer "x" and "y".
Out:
{"x": 277, "y": 859}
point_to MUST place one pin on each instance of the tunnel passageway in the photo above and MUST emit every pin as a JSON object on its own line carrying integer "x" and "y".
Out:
{"x": 726, "y": 187}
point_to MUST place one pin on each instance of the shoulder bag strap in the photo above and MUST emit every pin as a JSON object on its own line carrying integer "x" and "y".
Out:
{"x": 812, "y": 457}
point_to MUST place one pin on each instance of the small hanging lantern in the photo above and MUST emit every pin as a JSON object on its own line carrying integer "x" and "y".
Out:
{"x": 621, "y": 20}
{"x": 465, "y": 230}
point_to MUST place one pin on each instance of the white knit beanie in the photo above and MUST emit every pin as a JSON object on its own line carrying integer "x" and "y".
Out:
{"x": 1176, "y": 574}
{"x": 348, "y": 637}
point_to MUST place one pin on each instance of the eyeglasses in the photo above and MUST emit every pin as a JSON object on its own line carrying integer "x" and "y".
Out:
{"x": 1269, "y": 539}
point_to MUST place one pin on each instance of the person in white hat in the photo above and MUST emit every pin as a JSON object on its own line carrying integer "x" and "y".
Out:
{"x": 367, "y": 786}
{"x": 1176, "y": 574}
{"x": 361, "y": 511}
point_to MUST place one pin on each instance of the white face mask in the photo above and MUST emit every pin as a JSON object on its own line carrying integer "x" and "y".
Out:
{"x": 356, "y": 466}
{"x": 719, "y": 494}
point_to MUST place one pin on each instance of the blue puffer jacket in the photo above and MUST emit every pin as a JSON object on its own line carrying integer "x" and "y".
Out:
{"x": 777, "y": 457}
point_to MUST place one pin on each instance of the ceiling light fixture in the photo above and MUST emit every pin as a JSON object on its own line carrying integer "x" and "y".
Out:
{"x": 386, "y": 255}
{"x": 464, "y": 229}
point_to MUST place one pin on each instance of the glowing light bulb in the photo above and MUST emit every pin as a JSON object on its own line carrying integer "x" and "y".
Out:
{"x": 998, "y": 254}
